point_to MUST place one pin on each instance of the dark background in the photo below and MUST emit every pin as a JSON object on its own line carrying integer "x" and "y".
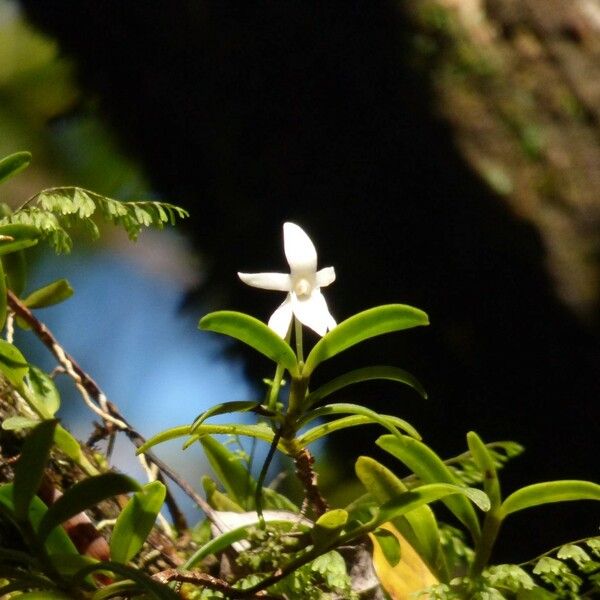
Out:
{"x": 250, "y": 114}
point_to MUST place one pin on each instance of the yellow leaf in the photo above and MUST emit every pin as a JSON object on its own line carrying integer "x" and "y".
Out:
{"x": 410, "y": 575}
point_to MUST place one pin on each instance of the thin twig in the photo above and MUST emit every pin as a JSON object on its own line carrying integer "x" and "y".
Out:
{"x": 108, "y": 411}
{"x": 208, "y": 581}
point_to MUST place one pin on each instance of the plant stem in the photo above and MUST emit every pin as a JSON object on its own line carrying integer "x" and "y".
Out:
{"x": 298, "y": 336}
{"x": 262, "y": 477}
{"x": 485, "y": 544}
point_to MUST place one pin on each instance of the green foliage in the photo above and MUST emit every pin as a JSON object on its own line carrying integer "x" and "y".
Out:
{"x": 550, "y": 492}
{"x": 363, "y": 326}
{"x": 361, "y": 375}
{"x": 30, "y": 467}
{"x": 54, "y": 211}
{"x": 53, "y": 293}
{"x": 287, "y": 551}
{"x": 419, "y": 526}
{"x": 12, "y": 363}
{"x": 465, "y": 469}
{"x": 429, "y": 467}
{"x": 136, "y": 521}
{"x": 253, "y": 332}
{"x": 13, "y": 163}
{"x": 84, "y": 494}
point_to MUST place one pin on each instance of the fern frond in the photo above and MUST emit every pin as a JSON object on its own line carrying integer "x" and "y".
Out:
{"x": 55, "y": 210}
{"x": 466, "y": 470}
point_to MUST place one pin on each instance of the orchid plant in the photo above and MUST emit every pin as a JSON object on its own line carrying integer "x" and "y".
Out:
{"x": 255, "y": 541}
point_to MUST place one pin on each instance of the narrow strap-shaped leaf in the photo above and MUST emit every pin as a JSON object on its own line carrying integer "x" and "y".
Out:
{"x": 485, "y": 463}
{"x": 153, "y": 588}
{"x": 44, "y": 393}
{"x": 419, "y": 526}
{"x": 316, "y": 433}
{"x": 261, "y": 432}
{"x": 3, "y": 298}
{"x": 12, "y": 363}
{"x": 15, "y": 267}
{"x": 14, "y": 163}
{"x": 329, "y": 526}
{"x": 365, "y": 374}
{"x": 84, "y": 495}
{"x": 549, "y": 492}
{"x": 223, "y": 409}
{"x": 389, "y": 544}
{"x": 16, "y": 237}
{"x": 253, "y": 332}
{"x": 53, "y": 293}
{"x": 430, "y": 468}
{"x": 135, "y": 522}
{"x": 30, "y": 466}
{"x": 218, "y": 500}
{"x": 231, "y": 472}
{"x": 426, "y": 494}
{"x": 43, "y": 594}
{"x": 362, "y": 326}
{"x": 58, "y": 541}
{"x": 390, "y": 423}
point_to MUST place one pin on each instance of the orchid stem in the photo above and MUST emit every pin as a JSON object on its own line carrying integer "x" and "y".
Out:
{"x": 298, "y": 336}
{"x": 276, "y": 383}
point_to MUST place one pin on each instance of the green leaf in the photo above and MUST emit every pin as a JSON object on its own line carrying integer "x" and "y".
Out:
{"x": 45, "y": 595}
{"x": 362, "y": 326}
{"x": 387, "y": 421}
{"x": 424, "y": 495}
{"x": 15, "y": 267}
{"x": 364, "y": 374}
{"x": 17, "y": 423}
{"x": 218, "y": 500}
{"x": 548, "y": 493}
{"x": 223, "y": 541}
{"x": 14, "y": 238}
{"x": 153, "y": 588}
{"x": 231, "y": 472}
{"x": 253, "y": 332}
{"x": 390, "y": 546}
{"x": 329, "y": 526}
{"x": 259, "y": 431}
{"x": 135, "y": 522}
{"x": 53, "y": 293}
{"x": 427, "y": 465}
{"x": 83, "y": 495}
{"x": 419, "y": 526}
{"x": 224, "y": 408}
{"x": 29, "y": 469}
{"x": 67, "y": 443}
{"x": 69, "y": 564}
{"x": 58, "y": 209}
{"x": 485, "y": 463}
{"x": 12, "y": 363}
{"x": 43, "y": 388}
{"x": 58, "y": 542}
{"x": 3, "y": 298}
{"x": 13, "y": 163}
{"x": 312, "y": 435}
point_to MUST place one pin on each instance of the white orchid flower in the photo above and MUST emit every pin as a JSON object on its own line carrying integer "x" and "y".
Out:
{"x": 303, "y": 284}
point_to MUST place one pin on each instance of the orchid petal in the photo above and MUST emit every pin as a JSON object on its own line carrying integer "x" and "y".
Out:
{"x": 312, "y": 311}
{"x": 282, "y": 317}
{"x": 299, "y": 250}
{"x": 325, "y": 276}
{"x": 280, "y": 282}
